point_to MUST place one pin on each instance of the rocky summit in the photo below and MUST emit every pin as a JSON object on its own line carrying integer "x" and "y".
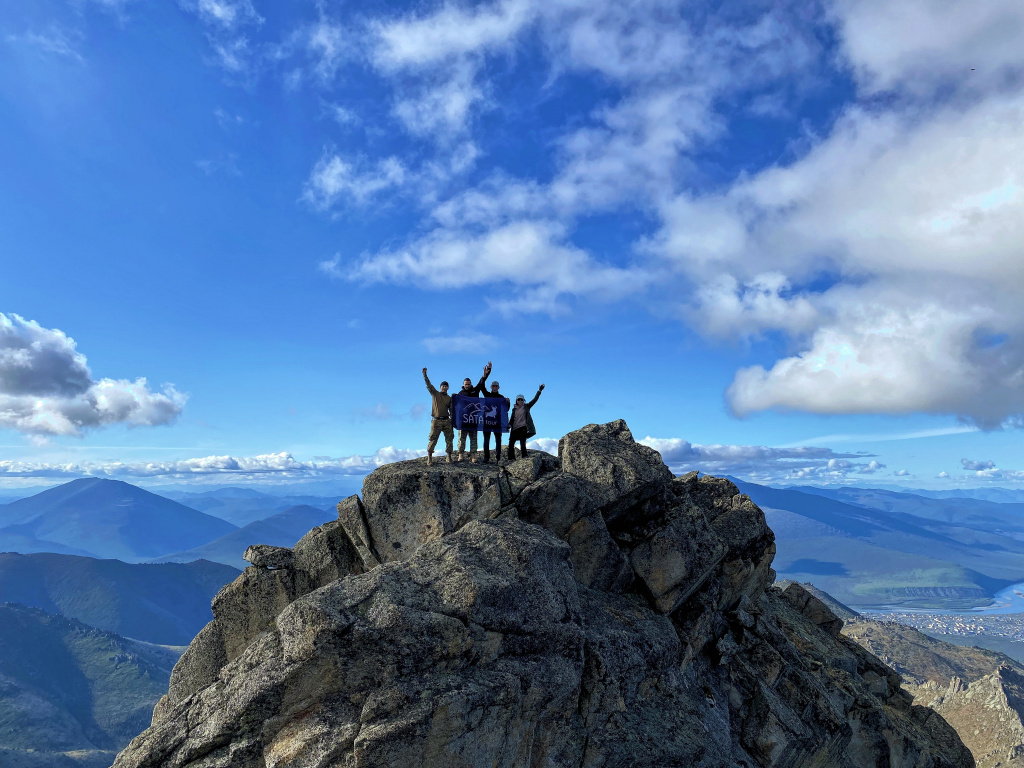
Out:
{"x": 586, "y": 610}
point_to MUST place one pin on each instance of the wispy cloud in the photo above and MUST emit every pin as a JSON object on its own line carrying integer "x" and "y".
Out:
{"x": 882, "y": 437}
{"x": 460, "y": 343}
{"x": 53, "y": 41}
{"x": 334, "y": 178}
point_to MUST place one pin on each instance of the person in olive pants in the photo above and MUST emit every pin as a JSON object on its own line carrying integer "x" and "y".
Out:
{"x": 520, "y": 424}
{"x": 440, "y": 419}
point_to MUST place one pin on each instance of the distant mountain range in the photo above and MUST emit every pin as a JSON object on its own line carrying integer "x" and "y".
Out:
{"x": 241, "y": 506}
{"x": 72, "y": 695}
{"x": 165, "y": 604}
{"x": 280, "y": 530}
{"x": 877, "y": 548}
{"x": 105, "y": 519}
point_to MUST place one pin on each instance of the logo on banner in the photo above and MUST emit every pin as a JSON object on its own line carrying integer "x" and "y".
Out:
{"x": 489, "y": 413}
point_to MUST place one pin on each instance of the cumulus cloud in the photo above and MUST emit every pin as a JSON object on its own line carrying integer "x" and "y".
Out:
{"x": 882, "y": 359}
{"x": 988, "y": 471}
{"x": 763, "y": 463}
{"x": 975, "y": 466}
{"x": 46, "y": 387}
{"x": 267, "y": 466}
{"x": 546, "y": 444}
{"x": 921, "y": 43}
{"x": 885, "y": 250}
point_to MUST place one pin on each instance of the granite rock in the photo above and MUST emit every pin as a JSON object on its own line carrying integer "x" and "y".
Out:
{"x": 266, "y": 556}
{"x": 588, "y": 611}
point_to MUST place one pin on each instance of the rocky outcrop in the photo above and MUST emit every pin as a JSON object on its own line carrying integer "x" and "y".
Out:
{"x": 986, "y": 713}
{"x": 586, "y": 610}
{"x": 978, "y": 692}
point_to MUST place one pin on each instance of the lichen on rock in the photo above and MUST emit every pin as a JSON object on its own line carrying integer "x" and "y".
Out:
{"x": 583, "y": 610}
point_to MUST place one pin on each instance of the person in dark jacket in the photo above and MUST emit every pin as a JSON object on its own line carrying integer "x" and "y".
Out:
{"x": 520, "y": 424}
{"x": 495, "y": 394}
{"x": 468, "y": 390}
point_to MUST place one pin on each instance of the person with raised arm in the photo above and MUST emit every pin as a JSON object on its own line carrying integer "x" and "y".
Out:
{"x": 469, "y": 390}
{"x": 520, "y": 424}
{"x": 440, "y": 419}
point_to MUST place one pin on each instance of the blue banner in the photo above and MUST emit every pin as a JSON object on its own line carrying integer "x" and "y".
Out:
{"x": 487, "y": 413}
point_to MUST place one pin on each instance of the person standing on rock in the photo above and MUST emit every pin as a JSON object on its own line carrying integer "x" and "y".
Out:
{"x": 468, "y": 390}
{"x": 520, "y": 424}
{"x": 440, "y": 419}
{"x": 494, "y": 393}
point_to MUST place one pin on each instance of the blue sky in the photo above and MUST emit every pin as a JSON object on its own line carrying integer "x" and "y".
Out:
{"x": 781, "y": 241}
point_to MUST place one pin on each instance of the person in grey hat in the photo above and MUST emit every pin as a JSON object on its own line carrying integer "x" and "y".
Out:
{"x": 494, "y": 393}
{"x": 520, "y": 424}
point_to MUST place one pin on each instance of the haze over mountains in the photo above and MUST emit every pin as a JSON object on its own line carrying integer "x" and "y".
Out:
{"x": 241, "y": 506}
{"x": 166, "y": 604}
{"x": 105, "y": 519}
{"x": 280, "y": 530}
{"x": 868, "y": 547}
{"x": 876, "y": 548}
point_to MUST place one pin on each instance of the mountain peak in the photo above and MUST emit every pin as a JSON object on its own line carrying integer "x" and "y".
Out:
{"x": 586, "y": 610}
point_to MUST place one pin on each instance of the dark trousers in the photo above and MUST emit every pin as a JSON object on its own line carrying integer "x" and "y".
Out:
{"x": 487, "y": 444}
{"x": 517, "y": 435}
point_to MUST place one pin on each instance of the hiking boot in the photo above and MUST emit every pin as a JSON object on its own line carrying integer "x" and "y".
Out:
{"x": 449, "y": 458}
{"x": 430, "y": 459}
{"x": 460, "y": 456}
{"x": 472, "y": 458}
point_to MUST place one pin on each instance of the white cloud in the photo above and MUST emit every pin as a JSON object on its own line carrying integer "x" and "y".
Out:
{"x": 343, "y": 116}
{"x": 271, "y": 465}
{"x": 725, "y": 307}
{"x": 46, "y": 387}
{"x": 441, "y": 107}
{"x": 902, "y": 473}
{"x": 918, "y": 44}
{"x": 546, "y": 444}
{"x": 943, "y": 475}
{"x": 525, "y": 254}
{"x": 880, "y": 359}
{"x": 54, "y": 41}
{"x": 334, "y": 179}
{"x": 227, "y": 14}
{"x": 762, "y": 463}
{"x": 886, "y": 251}
{"x": 329, "y": 44}
{"x": 460, "y": 343}
{"x": 988, "y": 471}
{"x": 974, "y": 466}
{"x": 451, "y": 32}
{"x": 920, "y": 215}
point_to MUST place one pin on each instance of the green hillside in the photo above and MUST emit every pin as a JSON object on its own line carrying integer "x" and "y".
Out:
{"x": 71, "y": 694}
{"x": 876, "y": 549}
{"x": 167, "y": 603}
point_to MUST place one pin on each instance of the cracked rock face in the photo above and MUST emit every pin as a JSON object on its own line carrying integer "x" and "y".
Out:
{"x": 587, "y": 610}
